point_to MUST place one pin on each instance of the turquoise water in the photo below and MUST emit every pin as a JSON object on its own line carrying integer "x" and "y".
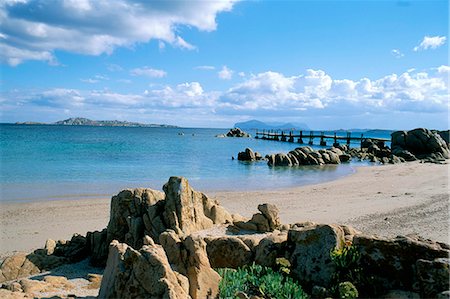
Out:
{"x": 52, "y": 162}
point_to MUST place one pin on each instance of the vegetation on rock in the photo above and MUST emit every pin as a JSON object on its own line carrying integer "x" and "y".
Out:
{"x": 260, "y": 281}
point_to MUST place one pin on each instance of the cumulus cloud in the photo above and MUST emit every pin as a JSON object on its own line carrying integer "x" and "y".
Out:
{"x": 225, "y": 73}
{"x": 317, "y": 91}
{"x": 33, "y": 30}
{"x": 396, "y": 53}
{"x": 430, "y": 42}
{"x": 313, "y": 93}
{"x": 148, "y": 72}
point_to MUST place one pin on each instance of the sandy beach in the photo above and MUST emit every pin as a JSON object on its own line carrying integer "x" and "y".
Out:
{"x": 409, "y": 198}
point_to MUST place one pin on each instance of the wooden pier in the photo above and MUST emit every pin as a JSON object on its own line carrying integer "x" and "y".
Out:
{"x": 301, "y": 136}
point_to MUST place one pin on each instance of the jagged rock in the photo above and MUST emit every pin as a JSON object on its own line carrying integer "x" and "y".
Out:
{"x": 282, "y": 160}
{"x": 228, "y": 252}
{"x": 433, "y": 276}
{"x": 183, "y": 210}
{"x": 392, "y": 262}
{"x": 445, "y": 135}
{"x": 270, "y": 248}
{"x": 139, "y": 274}
{"x": 310, "y": 259}
{"x": 98, "y": 247}
{"x": 172, "y": 244}
{"x": 203, "y": 280}
{"x": 126, "y": 223}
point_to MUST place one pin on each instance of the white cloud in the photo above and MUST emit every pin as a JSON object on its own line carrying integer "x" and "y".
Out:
{"x": 33, "y": 30}
{"x": 225, "y": 73}
{"x": 431, "y": 42}
{"x": 148, "y": 72}
{"x": 397, "y": 53}
{"x": 313, "y": 94}
{"x": 205, "y": 67}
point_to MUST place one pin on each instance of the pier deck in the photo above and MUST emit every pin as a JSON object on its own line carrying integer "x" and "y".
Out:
{"x": 292, "y": 137}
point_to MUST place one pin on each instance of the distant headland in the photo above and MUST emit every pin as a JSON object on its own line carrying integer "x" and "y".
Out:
{"x": 80, "y": 121}
{"x": 256, "y": 124}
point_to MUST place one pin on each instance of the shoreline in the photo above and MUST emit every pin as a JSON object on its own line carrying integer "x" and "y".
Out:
{"x": 387, "y": 200}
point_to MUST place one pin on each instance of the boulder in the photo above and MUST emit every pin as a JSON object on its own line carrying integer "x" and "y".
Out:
{"x": 392, "y": 262}
{"x": 310, "y": 259}
{"x": 247, "y": 155}
{"x": 139, "y": 274}
{"x": 270, "y": 248}
{"x": 433, "y": 276}
{"x": 126, "y": 223}
{"x": 22, "y": 265}
{"x": 228, "y": 252}
{"x": 203, "y": 280}
{"x": 183, "y": 209}
{"x": 420, "y": 142}
{"x": 270, "y": 212}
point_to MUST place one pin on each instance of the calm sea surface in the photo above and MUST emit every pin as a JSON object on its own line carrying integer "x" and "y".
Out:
{"x": 41, "y": 162}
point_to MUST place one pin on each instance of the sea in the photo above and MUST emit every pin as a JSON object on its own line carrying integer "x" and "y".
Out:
{"x": 51, "y": 162}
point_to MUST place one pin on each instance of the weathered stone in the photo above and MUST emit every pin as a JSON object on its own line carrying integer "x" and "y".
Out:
{"x": 126, "y": 216}
{"x": 139, "y": 274}
{"x": 270, "y": 212}
{"x": 392, "y": 262}
{"x": 433, "y": 276}
{"x": 7, "y": 294}
{"x": 261, "y": 222}
{"x": 50, "y": 246}
{"x": 247, "y": 155}
{"x": 310, "y": 260}
{"x": 228, "y": 252}
{"x": 270, "y": 248}
{"x": 171, "y": 243}
{"x": 183, "y": 208}
{"x": 98, "y": 247}
{"x": 203, "y": 280}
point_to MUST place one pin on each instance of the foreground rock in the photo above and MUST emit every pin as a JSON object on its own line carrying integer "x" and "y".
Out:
{"x": 181, "y": 265}
{"x": 140, "y": 212}
{"x": 141, "y": 274}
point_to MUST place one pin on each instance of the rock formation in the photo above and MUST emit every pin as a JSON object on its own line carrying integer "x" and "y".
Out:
{"x": 249, "y": 155}
{"x": 236, "y": 132}
{"x": 181, "y": 265}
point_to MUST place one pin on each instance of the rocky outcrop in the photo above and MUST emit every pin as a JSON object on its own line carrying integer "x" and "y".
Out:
{"x": 143, "y": 273}
{"x": 399, "y": 263}
{"x": 306, "y": 156}
{"x": 249, "y": 155}
{"x": 420, "y": 143}
{"x": 266, "y": 221}
{"x": 310, "y": 259}
{"x": 54, "y": 254}
{"x": 140, "y": 212}
{"x": 236, "y": 132}
{"x": 433, "y": 276}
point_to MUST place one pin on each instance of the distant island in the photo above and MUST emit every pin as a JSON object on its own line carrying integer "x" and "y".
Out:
{"x": 256, "y": 124}
{"x": 80, "y": 121}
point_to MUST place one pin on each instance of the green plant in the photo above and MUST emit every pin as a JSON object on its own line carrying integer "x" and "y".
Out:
{"x": 348, "y": 271}
{"x": 260, "y": 281}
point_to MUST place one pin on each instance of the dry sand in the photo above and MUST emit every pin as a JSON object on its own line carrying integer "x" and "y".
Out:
{"x": 385, "y": 200}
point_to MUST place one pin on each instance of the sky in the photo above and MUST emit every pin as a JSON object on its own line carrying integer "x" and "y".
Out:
{"x": 199, "y": 63}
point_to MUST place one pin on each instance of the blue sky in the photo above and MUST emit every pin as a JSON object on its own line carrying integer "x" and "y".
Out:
{"x": 330, "y": 64}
